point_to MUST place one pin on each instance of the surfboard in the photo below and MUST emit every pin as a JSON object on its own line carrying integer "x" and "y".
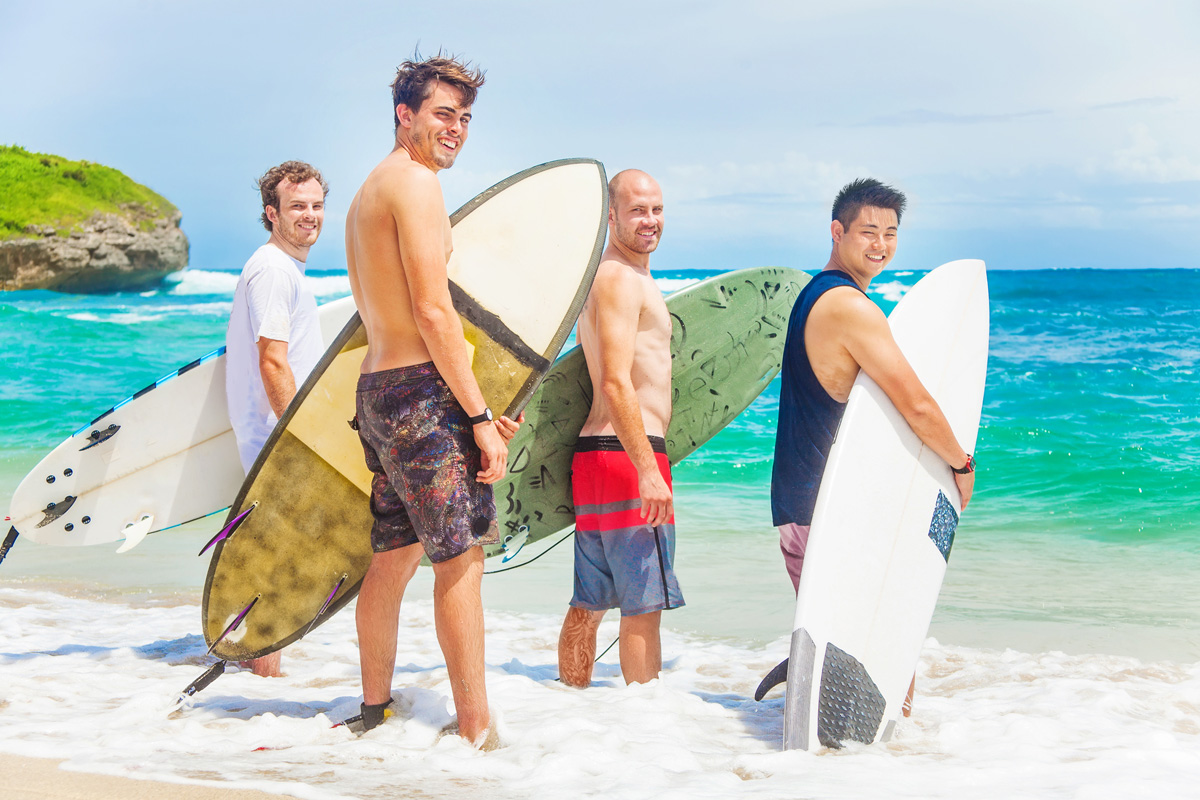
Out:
{"x": 727, "y": 339}
{"x": 161, "y": 457}
{"x": 883, "y": 525}
{"x": 297, "y": 540}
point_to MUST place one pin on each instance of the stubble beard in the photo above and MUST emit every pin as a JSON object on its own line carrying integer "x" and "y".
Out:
{"x": 629, "y": 237}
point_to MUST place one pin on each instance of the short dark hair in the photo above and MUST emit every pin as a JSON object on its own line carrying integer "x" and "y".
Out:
{"x": 292, "y": 172}
{"x": 415, "y": 80}
{"x": 863, "y": 192}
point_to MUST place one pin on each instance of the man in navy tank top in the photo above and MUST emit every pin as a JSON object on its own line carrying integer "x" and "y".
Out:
{"x": 835, "y": 330}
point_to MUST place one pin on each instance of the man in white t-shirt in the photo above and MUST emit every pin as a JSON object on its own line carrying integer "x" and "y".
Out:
{"x": 274, "y": 336}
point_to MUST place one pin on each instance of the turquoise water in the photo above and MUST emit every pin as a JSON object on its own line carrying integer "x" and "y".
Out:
{"x": 1082, "y": 534}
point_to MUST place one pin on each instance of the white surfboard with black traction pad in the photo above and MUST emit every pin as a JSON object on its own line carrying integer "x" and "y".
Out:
{"x": 883, "y": 525}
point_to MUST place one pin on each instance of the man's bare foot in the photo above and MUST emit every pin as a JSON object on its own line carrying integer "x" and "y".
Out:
{"x": 487, "y": 741}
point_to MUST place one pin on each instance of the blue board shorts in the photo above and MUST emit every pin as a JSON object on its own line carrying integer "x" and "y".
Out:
{"x": 619, "y": 559}
{"x": 421, "y": 450}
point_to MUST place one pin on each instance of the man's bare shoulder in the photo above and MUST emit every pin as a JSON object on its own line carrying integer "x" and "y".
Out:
{"x": 615, "y": 278}
{"x": 400, "y": 180}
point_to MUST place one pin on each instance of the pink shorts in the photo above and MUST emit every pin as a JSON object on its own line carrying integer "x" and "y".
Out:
{"x": 793, "y": 541}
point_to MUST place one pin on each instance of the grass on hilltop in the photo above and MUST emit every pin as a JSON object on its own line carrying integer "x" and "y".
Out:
{"x": 38, "y": 189}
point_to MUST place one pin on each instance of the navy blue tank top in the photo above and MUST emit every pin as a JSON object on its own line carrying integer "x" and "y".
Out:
{"x": 808, "y": 416}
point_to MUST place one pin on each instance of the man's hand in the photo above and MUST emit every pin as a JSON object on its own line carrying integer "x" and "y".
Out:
{"x": 508, "y": 428}
{"x": 657, "y": 503}
{"x": 966, "y": 487}
{"x": 493, "y": 452}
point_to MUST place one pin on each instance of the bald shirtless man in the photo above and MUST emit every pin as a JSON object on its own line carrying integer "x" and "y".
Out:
{"x": 621, "y": 480}
{"x": 428, "y": 436}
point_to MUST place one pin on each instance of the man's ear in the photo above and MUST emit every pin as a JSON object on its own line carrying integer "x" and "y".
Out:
{"x": 836, "y": 230}
{"x": 405, "y": 115}
{"x": 272, "y": 215}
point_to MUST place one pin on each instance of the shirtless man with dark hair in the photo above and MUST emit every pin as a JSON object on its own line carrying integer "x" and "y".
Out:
{"x": 427, "y": 433}
{"x": 621, "y": 480}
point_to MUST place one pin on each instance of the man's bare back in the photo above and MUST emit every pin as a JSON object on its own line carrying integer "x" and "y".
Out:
{"x": 374, "y": 262}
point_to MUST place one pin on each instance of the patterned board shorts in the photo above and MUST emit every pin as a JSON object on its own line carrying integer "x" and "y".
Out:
{"x": 619, "y": 559}
{"x": 420, "y": 447}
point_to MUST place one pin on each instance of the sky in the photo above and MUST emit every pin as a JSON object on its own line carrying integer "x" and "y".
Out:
{"x": 1033, "y": 135}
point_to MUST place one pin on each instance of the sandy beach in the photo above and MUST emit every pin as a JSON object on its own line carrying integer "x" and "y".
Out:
{"x": 27, "y": 778}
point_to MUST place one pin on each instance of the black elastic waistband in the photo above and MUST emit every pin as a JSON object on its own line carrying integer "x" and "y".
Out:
{"x": 591, "y": 444}
{"x": 384, "y": 378}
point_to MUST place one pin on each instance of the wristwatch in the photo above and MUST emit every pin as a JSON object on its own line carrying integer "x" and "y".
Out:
{"x": 968, "y": 469}
{"x": 486, "y": 416}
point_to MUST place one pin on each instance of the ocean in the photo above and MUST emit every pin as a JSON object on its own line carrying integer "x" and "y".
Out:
{"x": 1063, "y": 659}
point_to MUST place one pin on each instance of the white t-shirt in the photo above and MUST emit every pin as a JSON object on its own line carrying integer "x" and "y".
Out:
{"x": 272, "y": 300}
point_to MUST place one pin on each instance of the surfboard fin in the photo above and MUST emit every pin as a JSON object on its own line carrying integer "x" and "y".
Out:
{"x": 775, "y": 677}
{"x": 228, "y": 530}
{"x": 234, "y": 625}
{"x": 210, "y": 675}
{"x": 328, "y": 600}
{"x": 98, "y": 436}
{"x": 55, "y": 510}
{"x": 514, "y": 542}
{"x": 135, "y": 532}
{"x": 8, "y": 542}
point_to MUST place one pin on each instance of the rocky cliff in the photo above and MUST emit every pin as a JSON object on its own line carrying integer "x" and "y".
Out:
{"x": 110, "y": 252}
{"x": 77, "y": 226}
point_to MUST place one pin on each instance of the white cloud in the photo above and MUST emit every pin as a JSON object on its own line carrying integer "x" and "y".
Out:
{"x": 1143, "y": 160}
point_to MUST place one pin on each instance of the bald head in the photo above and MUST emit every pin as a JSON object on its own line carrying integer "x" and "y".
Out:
{"x": 626, "y": 180}
{"x": 635, "y": 212}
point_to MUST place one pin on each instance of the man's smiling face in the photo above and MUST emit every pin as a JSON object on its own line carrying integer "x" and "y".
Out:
{"x": 637, "y": 216}
{"x": 301, "y": 213}
{"x": 439, "y": 128}
{"x": 867, "y": 246}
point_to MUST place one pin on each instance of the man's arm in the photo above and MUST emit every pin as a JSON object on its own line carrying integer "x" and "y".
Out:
{"x": 866, "y": 335}
{"x": 618, "y": 297}
{"x": 420, "y": 218}
{"x": 277, "y": 378}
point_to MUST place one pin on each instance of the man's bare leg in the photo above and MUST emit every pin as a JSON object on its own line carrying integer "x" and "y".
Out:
{"x": 458, "y": 614}
{"x": 269, "y": 666}
{"x": 577, "y": 646}
{"x": 378, "y": 618}
{"x": 641, "y": 648}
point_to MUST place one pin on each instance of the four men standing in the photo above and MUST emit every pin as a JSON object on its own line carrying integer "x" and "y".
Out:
{"x": 432, "y": 444}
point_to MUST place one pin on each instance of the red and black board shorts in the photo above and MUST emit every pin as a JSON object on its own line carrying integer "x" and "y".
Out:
{"x": 620, "y": 561}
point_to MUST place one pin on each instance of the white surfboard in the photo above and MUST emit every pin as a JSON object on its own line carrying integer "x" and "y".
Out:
{"x": 158, "y": 459}
{"x": 883, "y": 525}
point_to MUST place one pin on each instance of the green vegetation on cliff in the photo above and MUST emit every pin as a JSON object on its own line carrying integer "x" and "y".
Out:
{"x": 37, "y": 189}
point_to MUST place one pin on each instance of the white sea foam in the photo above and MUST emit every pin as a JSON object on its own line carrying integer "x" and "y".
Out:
{"x": 892, "y": 292}
{"x": 329, "y": 287}
{"x": 95, "y": 681}
{"x": 201, "y": 281}
{"x": 668, "y": 285}
{"x": 119, "y": 318}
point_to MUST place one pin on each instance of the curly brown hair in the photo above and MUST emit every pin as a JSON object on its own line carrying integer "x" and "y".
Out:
{"x": 290, "y": 171}
{"x": 416, "y": 79}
